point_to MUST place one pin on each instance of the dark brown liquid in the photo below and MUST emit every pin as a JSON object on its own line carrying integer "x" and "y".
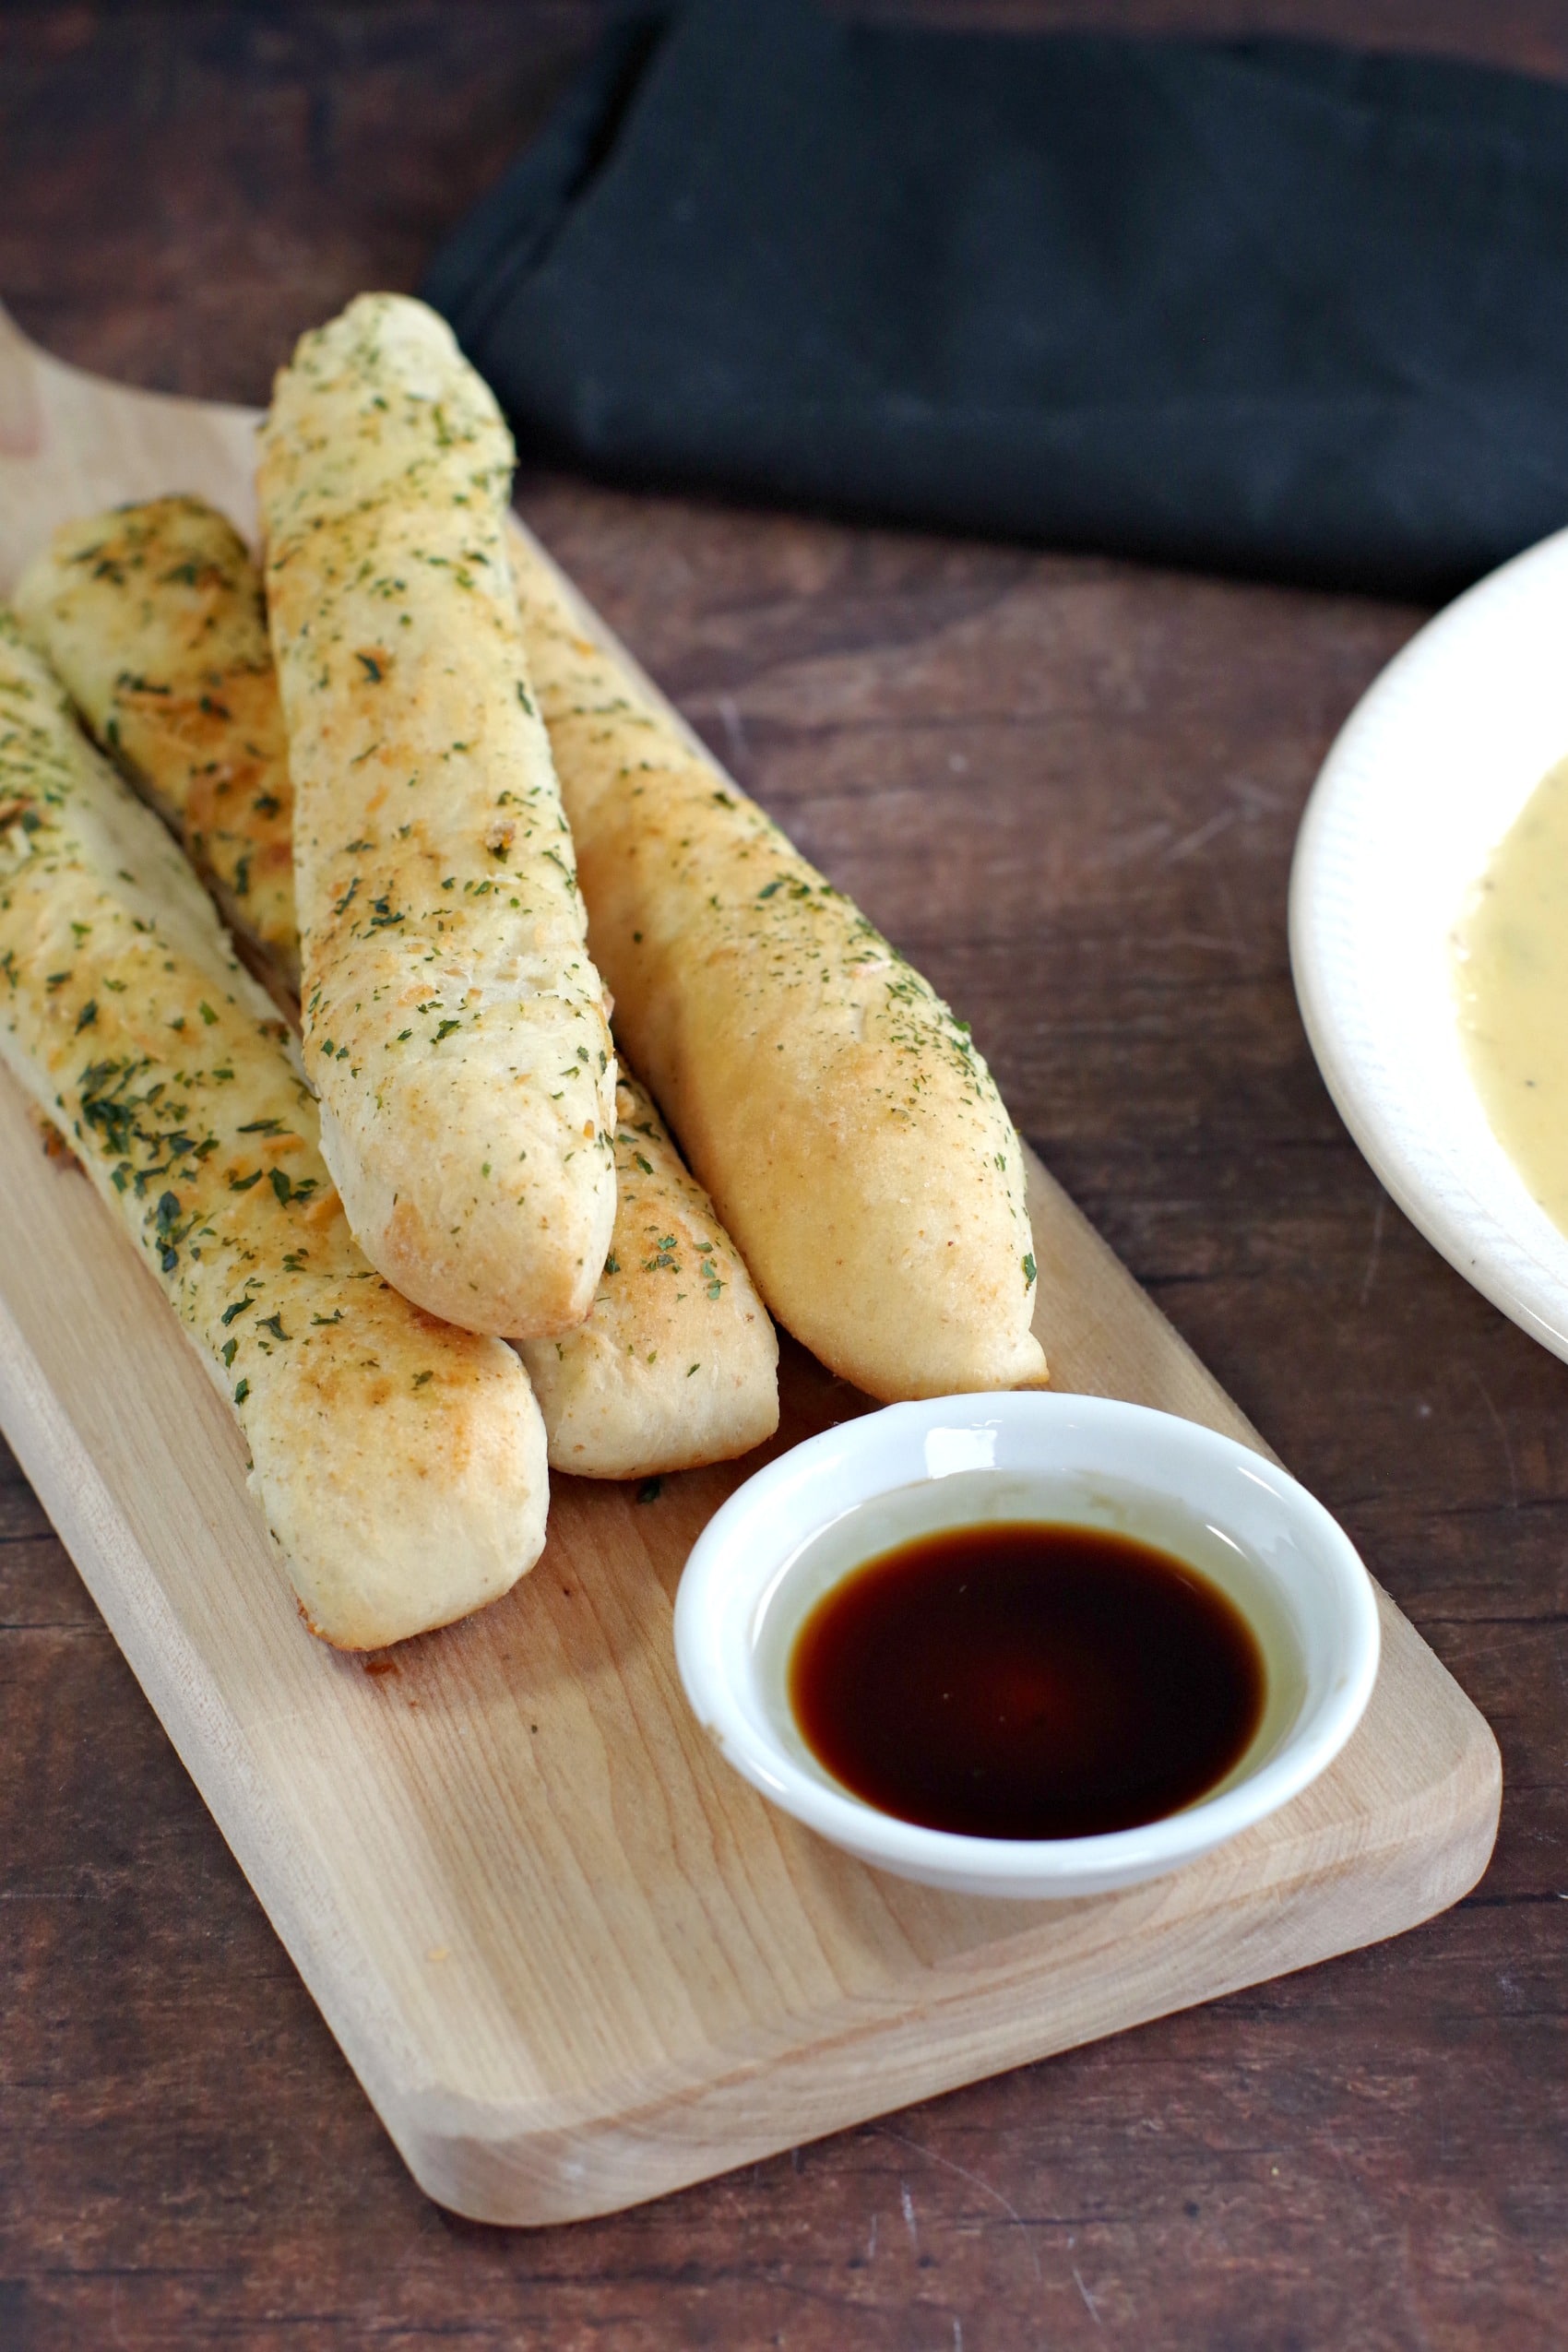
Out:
{"x": 1022, "y": 1681}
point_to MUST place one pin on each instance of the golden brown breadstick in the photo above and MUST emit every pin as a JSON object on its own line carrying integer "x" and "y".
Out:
{"x": 152, "y": 614}
{"x": 399, "y": 1462}
{"x": 677, "y": 1364}
{"x": 455, "y": 1027}
{"x": 850, "y": 1135}
{"x": 619, "y": 1393}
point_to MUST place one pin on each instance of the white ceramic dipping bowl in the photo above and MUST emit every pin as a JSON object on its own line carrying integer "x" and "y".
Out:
{"x": 810, "y": 1518}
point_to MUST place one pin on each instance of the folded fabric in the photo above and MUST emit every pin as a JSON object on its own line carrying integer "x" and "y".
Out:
{"x": 1256, "y": 305}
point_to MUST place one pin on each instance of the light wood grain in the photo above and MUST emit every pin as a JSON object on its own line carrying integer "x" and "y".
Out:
{"x": 572, "y": 1958}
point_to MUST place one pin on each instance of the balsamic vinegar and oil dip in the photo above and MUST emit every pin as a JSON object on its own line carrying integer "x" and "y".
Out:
{"x": 1027, "y": 1680}
{"x": 1039, "y": 1646}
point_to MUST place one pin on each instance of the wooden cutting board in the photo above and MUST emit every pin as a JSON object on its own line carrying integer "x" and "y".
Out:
{"x": 573, "y": 1960}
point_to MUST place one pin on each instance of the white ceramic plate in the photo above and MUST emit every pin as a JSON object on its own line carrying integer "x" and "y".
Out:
{"x": 1428, "y": 773}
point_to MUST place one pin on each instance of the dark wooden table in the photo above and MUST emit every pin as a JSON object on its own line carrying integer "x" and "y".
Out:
{"x": 1069, "y": 789}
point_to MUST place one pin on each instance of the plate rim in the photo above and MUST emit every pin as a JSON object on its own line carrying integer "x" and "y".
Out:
{"x": 1476, "y": 1230}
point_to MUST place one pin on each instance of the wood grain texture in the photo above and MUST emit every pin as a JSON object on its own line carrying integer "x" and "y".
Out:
{"x": 1371, "y": 2153}
{"x": 574, "y": 1961}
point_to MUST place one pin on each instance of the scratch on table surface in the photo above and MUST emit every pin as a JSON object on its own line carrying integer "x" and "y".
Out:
{"x": 1498, "y": 1424}
{"x": 1090, "y": 2306}
{"x": 1248, "y": 803}
{"x": 1201, "y": 939}
{"x": 1201, "y": 836}
{"x": 1128, "y": 849}
{"x": 909, "y": 2204}
{"x": 734, "y": 729}
{"x": 886, "y": 2132}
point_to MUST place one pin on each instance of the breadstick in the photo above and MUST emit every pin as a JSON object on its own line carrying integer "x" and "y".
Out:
{"x": 153, "y": 617}
{"x": 619, "y": 1393}
{"x": 850, "y": 1135}
{"x": 455, "y": 1027}
{"x": 677, "y": 1364}
{"x": 399, "y": 1463}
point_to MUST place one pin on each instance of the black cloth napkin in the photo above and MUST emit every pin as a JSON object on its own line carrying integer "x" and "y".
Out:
{"x": 1256, "y": 305}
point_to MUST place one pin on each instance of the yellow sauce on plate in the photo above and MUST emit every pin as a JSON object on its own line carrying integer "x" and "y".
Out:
{"x": 1510, "y": 957}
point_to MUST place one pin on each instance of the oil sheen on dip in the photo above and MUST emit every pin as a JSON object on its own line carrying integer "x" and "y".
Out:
{"x": 1511, "y": 955}
{"x": 1022, "y": 1679}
